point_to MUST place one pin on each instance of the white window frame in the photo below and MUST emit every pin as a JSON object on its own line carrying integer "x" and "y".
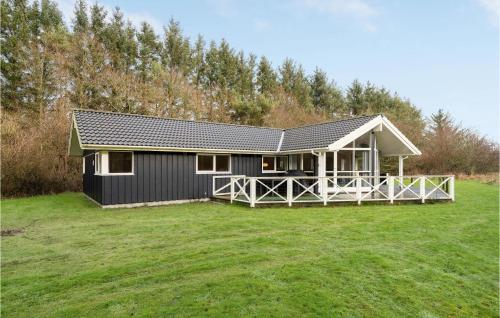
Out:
{"x": 101, "y": 164}
{"x": 83, "y": 164}
{"x": 302, "y": 163}
{"x": 273, "y": 171}
{"x": 214, "y": 159}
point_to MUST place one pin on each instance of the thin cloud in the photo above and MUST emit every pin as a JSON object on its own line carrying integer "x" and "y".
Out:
{"x": 357, "y": 8}
{"x": 261, "y": 25}
{"x": 223, "y": 8}
{"x": 492, "y": 7}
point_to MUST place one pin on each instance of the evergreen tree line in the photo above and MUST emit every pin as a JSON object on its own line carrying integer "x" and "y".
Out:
{"x": 101, "y": 61}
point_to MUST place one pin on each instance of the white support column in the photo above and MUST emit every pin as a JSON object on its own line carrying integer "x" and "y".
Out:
{"x": 452, "y": 188}
{"x": 422, "y": 189}
{"x": 390, "y": 185}
{"x": 335, "y": 153}
{"x": 353, "y": 159}
{"x": 358, "y": 187}
{"x": 289, "y": 190}
{"x": 253, "y": 193}
{"x": 321, "y": 169}
{"x": 231, "y": 187}
{"x": 324, "y": 193}
{"x": 400, "y": 172}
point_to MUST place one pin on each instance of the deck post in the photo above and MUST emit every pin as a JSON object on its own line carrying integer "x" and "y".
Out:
{"x": 358, "y": 188}
{"x": 390, "y": 184}
{"x": 289, "y": 191}
{"x": 400, "y": 169}
{"x": 231, "y": 186}
{"x": 253, "y": 184}
{"x": 452, "y": 188}
{"x": 422, "y": 188}
{"x": 324, "y": 194}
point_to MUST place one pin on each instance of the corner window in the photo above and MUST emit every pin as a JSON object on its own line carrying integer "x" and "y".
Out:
{"x": 114, "y": 163}
{"x": 97, "y": 162}
{"x": 212, "y": 164}
{"x": 120, "y": 162}
{"x": 274, "y": 164}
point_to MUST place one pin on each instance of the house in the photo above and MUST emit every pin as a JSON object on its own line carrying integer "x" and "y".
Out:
{"x": 131, "y": 160}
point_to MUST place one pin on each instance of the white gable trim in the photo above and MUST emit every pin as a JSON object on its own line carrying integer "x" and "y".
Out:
{"x": 375, "y": 123}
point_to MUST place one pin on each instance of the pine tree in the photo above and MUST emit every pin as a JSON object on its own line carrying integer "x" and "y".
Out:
{"x": 176, "y": 49}
{"x": 81, "y": 19}
{"x": 149, "y": 50}
{"x": 198, "y": 61}
{"x": 15, "y": 34}
{"x": 266, "y": 77}
{"x": 355, "y": 98}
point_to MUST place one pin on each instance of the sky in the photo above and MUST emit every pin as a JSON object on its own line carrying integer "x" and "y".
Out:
{"x": 439, "y": 54}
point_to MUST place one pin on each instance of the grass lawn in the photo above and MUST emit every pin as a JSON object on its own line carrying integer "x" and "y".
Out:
{"x": 212, "y": 259}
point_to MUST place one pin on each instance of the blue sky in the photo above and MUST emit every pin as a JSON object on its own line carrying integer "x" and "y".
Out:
{"x": 439, "y": 54}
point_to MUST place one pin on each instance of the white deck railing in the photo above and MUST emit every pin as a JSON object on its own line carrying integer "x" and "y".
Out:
{"x": 290, "y": 190}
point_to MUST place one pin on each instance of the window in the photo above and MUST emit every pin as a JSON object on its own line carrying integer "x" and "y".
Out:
{"x": 114, "y": 163}
{"x": 83, "y": 165}
{"x": 222, "y": 163}
{"x": 268, "y": 164}
{"x": 212, "y": 164}
{"x": 205, "y": 163}
{"x": 307, "y": 162}
{"x": 274, "y": 164}
{"x": 294, "y": 162}
{"x": 97, "y": 162}
{"x": 120, "y": 162}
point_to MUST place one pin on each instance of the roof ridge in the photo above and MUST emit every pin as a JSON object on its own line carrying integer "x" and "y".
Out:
{"x": 334, "y": 121}
{"x": 176, "y": 119}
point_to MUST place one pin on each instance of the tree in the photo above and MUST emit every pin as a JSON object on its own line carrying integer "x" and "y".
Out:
{"x": 149, "y": 50}
{"x": 266, "y": 77}
{"x": 355, "y": 98}
{"x": 326, "y": 96}
{"x": 176, "y": 49}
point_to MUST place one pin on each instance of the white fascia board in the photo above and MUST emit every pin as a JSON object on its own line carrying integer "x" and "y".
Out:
{"x": 70, "y": 135}
{"x": 372, "y": 124}
{"x": 355, "y": 134}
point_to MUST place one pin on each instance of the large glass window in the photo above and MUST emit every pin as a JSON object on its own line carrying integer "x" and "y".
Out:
{"x": 294, "y": 162}
{"x": 222, "y": 163}
{"x": 205, "y": 162}
{"x": 274, "y": 164}
{"x": 209, "y": 163}
{"x": 307, "y": 162}
{"x": 120, "y": 162}
{"x": 268, "y": 164}
{"x": 281, "y": 163}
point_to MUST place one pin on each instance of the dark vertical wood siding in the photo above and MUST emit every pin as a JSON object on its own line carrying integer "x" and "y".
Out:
{"x": 92, "y": 184}
{"x": 160, "y": 176}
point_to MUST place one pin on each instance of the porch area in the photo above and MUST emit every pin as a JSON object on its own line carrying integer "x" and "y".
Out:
{"x": 292, "y": 190}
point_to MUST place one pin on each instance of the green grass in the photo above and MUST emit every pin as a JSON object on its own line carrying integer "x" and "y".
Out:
{"x": 209, "y": 259}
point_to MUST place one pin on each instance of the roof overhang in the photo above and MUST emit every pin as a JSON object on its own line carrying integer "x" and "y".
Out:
{"x": 390, "y": 140}
{"x": 74, "y": 143}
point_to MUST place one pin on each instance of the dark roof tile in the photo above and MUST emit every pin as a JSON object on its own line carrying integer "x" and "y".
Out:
{"x": 119, "y": 129}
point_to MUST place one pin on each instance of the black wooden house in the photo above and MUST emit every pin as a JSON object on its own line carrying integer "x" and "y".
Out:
{"x": 131, "y": 160}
